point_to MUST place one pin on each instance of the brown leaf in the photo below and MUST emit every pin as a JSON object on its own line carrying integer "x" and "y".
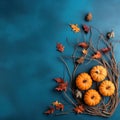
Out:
{"x": 50, "y": 111}
{"x": 80, "y": 60}
{"x": 97, "y": 55}
{"x": 88, "y": 17}
{"x": 79, "y": 109}
{"x": 85, "y": 52}
{"x": 59, "y": 80}
{"x": 105, "y": 50}
{"x": 75, "y": 27}
{"x": 60, "y": 47}
{"x": 83, "y": 45}
{"x": 62, "y": 86}
{"x": 86, "y": 29}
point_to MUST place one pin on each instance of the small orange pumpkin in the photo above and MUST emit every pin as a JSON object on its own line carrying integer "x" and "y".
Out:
{"x": 92, "y": 97}
{"x": 98, "y": 73}
{"x": 83, "y": 81}
{"x": 107, "y": 88}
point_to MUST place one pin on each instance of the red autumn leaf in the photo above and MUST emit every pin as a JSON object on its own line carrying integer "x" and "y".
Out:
{"x": 59, "y": 80}
{"x": 83, "y": 45}
{"x": 62, "y": 86}
{"x": 105, "y": 50}
{"x": 86, "y": 29}
{"x": 60, "y": 47}
{"x": 60, "y": 106}
{"x": 97, "y": 55}
{"x": 79, "y": 109}
{"x": 50, "y": 111}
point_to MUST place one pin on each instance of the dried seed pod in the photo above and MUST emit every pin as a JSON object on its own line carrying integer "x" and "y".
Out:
{"x": 110, "y": 35}
{"x": 78, "y": 94}
{"x": 88, "y": 17}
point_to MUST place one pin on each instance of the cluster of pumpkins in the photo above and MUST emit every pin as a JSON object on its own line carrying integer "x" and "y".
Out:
{"x": 84, "y": 81}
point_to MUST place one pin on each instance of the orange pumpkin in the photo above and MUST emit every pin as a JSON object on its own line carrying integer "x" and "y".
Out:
{"x": 107, "y": 88}
{"x": 92, "y": 97}
{"x": 83, "y": 81}
{"x": 98, "y": 73}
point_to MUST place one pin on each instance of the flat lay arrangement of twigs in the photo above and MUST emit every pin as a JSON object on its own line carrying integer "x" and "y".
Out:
{"x": 88, "y": 51}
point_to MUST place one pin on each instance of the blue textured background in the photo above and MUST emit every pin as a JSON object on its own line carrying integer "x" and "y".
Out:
{"x": 29, "y": 30}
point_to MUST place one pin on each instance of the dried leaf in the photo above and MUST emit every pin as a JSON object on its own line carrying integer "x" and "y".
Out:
{"x": 79, "y": 109}
{"x": 59, "y": 80}
{"x": 62, "y": 86}
{"x": 58, "y": 105}
{"x": 97, "y": 55}
{"x": 83, "y": 45}
{"x": 105, "y": 50}
{"x": 60, "y": 47}
{"x": 80, "y": 60}
{"x": 88, "y": 17}
{"x": 85, "y": 52}
{"x": 50, "y": 111}
{"x": 75, "y": 27}
{"x": 86, "y": 29}
{"x": 55, "y": 103}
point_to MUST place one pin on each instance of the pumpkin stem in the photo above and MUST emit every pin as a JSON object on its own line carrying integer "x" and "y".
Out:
{"x": 92, "y": 97}
{"x": 107, "y": 87}
{"x": 84, "y": 81}
{"x": 97, "y": 71}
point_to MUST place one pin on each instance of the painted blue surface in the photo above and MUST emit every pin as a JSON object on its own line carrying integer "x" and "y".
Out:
{"x": 29, "y": 30}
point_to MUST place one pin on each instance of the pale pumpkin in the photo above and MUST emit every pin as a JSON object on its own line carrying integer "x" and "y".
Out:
{"x": 92, "y": 97}
{"x": 107, "y": 88}
{"x": 83, "y": 81}
{"x": 98, "y": 73}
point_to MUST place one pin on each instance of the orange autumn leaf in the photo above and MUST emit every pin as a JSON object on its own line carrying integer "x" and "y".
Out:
{"x": 59, "y": 80}
{"x": 83, "y": 45}
{"x": 75, "y": 27}
{"x": 62, "y": 86}
{"x": 79, "y": 109}
{"x": 50, "y": 111}
{"x": 60, "y": 47}
{"x": 58, "y": 105}
{"x": 55, "y": 103}
{"x": 97, "y": 55}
